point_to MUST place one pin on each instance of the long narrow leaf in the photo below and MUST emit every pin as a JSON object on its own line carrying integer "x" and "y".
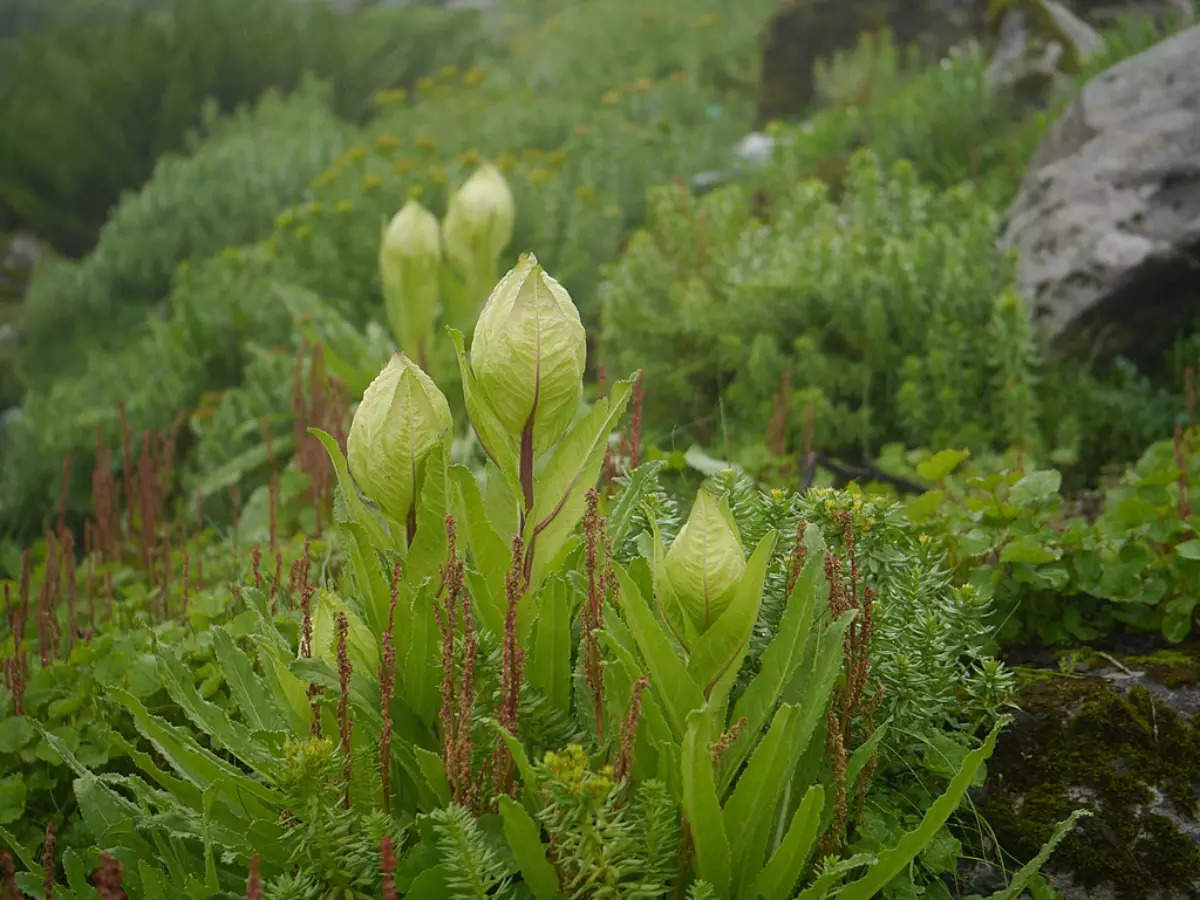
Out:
{"x": 524, "y": 840}
{"x": 669, "y": 678}
{"x": 700, "y": 804}
{"x": 783, "y": 655}
{"x": 358, "y": 510}
{"x": 196, "y": 764}
{"x": 750, "y": 812}
{"x": 783, "y": 869}
{"x": 1031, "y": 868}
{"x": 249, "y": 692}
{"x": 208, "y": 717}
{"x": 895, "y": 858}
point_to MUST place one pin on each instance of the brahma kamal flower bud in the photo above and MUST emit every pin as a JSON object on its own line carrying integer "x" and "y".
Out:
{"x": 409, "y": 255}
{"x": 706, "y": 563}
{"x": 479, "y": 223}
{"x": 528, "y": 354}
{"x": 401, "y": 418}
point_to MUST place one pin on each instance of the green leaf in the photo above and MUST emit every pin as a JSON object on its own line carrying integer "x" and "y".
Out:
{"x": 669, "y": 678}
{"x": 941, "y": 464}
{"x": 72, "y": 863}
{"x": 783, "y": 870}
{"x": 549, "y": 665}
{"x": 813, "y": 683}
{"x": 1132, "y": 511}
{"x": 374, "y": 589}
{"x": 528, "y": 775}
{"x": 784, "y": 654}
{"x": 420, "y": 660}
{"x": 1026, "y": 550}
{"x": 1189, "y": 549}
{"x": 1036, "y": 487}
{"x": 153, "y": 883}
{"x": 1177, "y": 618}
{"x": 20, "y": 852}
{"x": 429, "y": 885}
{"x": 12, "y": 798}
{"x": 560, "y": 491}
{"x": 209, "y": 718}
{"x": 429, "y": 547}
{"x": 924, "y": 506}
{"x": 15, "y": 733}
{"x": 1031, "y": 868}
{"x": 724, "y": 643}
{"x": 895, "y": 858}
{"x": 942, "y": 853}
{"x": 197, "y": 764}
{"x": 524, "y": 839}
{"x": 235, "y": 469}
{"x": 359, "y": 513}
{"x": 489, "y": 554}
{"x": 621, "y": 516}
{"x": 701, "y": 806}
{"x": 751, "y": 810}
{"x": 435, "y": 773}
{"x": 249, "y": 692}
{"x": 493, "y": 436}
{"x": 832, "y": 874}
{"x": 863, "y": 753}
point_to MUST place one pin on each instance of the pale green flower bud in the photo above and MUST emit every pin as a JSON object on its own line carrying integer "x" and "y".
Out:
{"x": 479, "y": 222}
{"x": 401, "y": 418}
{"x": 409, "y": 256}
{"x": 528, "y": 354}
{"x": 706, "y": 562}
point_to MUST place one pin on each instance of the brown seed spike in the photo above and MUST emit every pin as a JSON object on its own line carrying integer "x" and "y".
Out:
{"x": 345, "y": 720}
{"x": 254, "y": 882}
{"x": 107, "y": 878}
{"x": 8, "y": 873}
{"x": 48, "y": 864}
{"x": 387, "y": 867}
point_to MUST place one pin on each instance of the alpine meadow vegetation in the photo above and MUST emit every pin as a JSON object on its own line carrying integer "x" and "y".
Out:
{"x": 442, "y": 467}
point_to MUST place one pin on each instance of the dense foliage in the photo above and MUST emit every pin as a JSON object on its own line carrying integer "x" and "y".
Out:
{"x": 349, "y": 553}
{"x": 93, "y": 98}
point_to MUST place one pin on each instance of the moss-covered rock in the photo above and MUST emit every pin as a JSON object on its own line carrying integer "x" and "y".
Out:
{"x": 1122, "y": 740}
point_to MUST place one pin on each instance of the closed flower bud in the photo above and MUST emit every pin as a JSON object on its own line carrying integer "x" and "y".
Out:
{"x": 409, "y": 256}
{"x": 401, "y": 418}
{"x": 528, "y": 354}
{"x": 479, "y": 222}
{"x": 706, "y": 563}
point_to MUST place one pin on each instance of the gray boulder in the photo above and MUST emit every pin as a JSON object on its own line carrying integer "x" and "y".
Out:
{"x": 1107, "y": 221}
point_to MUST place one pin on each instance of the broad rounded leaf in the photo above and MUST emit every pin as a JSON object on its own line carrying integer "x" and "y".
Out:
{"x": 705, "y": 563}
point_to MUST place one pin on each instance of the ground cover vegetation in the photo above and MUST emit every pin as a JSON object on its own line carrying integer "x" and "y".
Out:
{"x": 426, "y": 485}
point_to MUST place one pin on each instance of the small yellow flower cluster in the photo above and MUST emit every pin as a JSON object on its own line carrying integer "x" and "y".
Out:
{"x": 571, "y": 768}
{"x": 391, "y": 97}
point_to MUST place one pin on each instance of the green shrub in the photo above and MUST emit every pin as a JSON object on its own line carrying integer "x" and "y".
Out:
{"x": 472, "y": 683}
{"x": 1063, "y": 569}
{"x": 90, "y": 103}
{"x": 217, "y": 307}
{"x": 888, "y": 312}
{"x": 241, "y": 170}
